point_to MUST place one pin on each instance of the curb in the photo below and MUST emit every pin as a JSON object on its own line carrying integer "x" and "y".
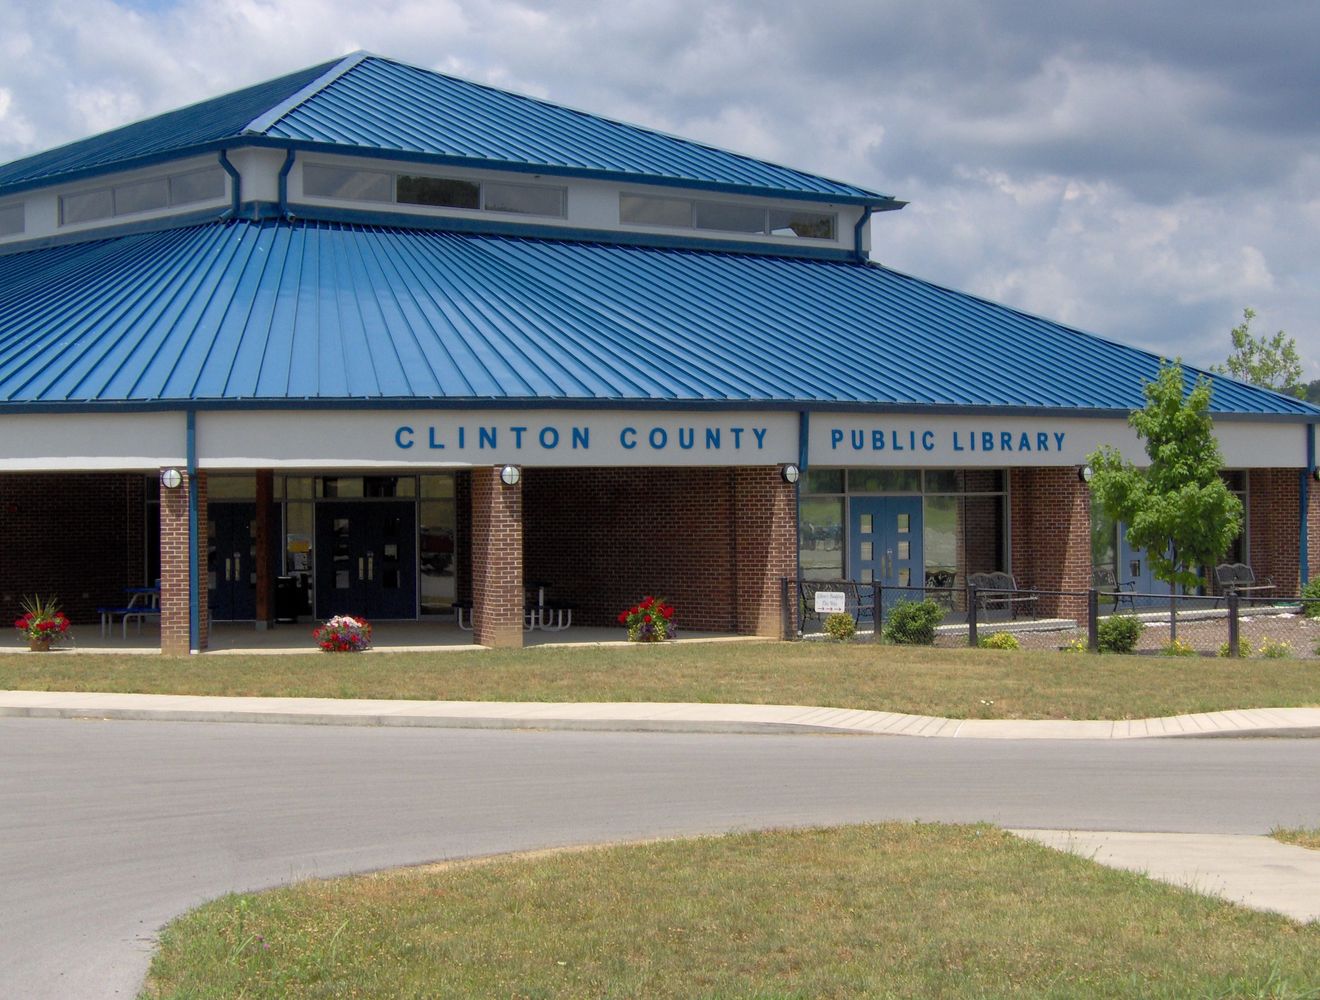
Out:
{"x": 662, "y": 717}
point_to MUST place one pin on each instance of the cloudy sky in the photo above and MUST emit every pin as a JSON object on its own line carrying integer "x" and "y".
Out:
{"x": 1140, "y": 169}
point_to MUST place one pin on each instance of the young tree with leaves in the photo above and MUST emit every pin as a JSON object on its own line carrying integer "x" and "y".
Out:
{"x": 1270, "y": 364}
{"x": 1177, "y": 508}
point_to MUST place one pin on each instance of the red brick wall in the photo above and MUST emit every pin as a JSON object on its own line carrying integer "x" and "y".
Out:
{"x": 1273, "y": 526}
{"x": 77, "y": 537}
{"x": 1051, "y": 536}
{"x": 713, "y": 542}
{"x": 497, "y": 560}
{"x": 174, "y": 611}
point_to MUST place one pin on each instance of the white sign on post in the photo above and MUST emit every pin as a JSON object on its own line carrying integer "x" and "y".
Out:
{"x": 829, "y": 601}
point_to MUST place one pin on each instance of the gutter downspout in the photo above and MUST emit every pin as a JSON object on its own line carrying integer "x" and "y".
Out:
{"x": 1303, "y": 548}
{"x": 867, "y": 211}
{"x": 237, "y": 184}
{"x": 284, "y": 184}
{"x": 194, "y": 591}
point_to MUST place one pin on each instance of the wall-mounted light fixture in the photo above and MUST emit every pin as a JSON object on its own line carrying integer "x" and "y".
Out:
{"x": 1315, "y": 473}
{"x": 1085, "y": 473}
{"x": 171, "y": 479}
{"x": 791, "y": 473}
{"x": 510, "y": 475}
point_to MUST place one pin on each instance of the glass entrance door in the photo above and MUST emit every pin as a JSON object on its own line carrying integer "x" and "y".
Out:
{"x": 885, "y": 544}
{"x": 231, "y": 561}
{"x": 366, "y": 560}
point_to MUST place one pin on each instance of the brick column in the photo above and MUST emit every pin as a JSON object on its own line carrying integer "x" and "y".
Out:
{"x": 1313, "y": 532}
{"x": 497, "y": 560}
{"x": 1273, "y": 523}
{"x": 174, "y": 609}
{"x": 764, "y": 526}
{"x": 1051, "y": 536}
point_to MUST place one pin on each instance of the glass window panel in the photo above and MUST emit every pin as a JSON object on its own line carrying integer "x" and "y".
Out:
{"x": 820, "y": 546}
{"x": 729, "y": 217}
{"x": 340, "y": 486}
{"x": 387, "y": 486}
{"x": 342, "y": 581}
{"x": 984, "y": 480}
{"x": 390, "y": 578}
{"x": 1104, "y": 538}
{"x": 144, "y": 196}
{"x": 436, "y": 540}
{"x": 231, "y": 487}
{"x": 866, "y": 551}
{"x": 884, "y": 481}
{"x": 905, "y": 550}
{"x": 940, "y": 533}
{"x": 12, "y": 219}
{"x": 944, "y": 481}
{"x": 868, "y": 575}
{"x": 351, "y": 185}
{"x": 298, "y": 538}
{"x": 637, "y": 210}
{"x": 391, "y": 550}
{"x": 87, "y": 207}
{"x": 904, "y": 522}
{"x": 1234, "y": 479}
{"x": 437, "y": 487}
{"x": 443, "y": 192}
{"x": 806, "y": 225}
{"x": 298, "y": 487}
{"x": 904, "y": 577}
{"x": 866, "y": 524}
{"x": 824, "y": 481}
{"x": 525, "y": 199}
{"x": 197, "y": 185}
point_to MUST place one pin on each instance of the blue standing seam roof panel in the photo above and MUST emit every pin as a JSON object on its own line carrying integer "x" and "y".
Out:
{"x": 277, "y": 311}
{"x": 371, "y": 104}
{"x": 175, "y": 131}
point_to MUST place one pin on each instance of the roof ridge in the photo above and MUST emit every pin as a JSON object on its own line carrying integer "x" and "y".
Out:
{"x": 265, "y": 121}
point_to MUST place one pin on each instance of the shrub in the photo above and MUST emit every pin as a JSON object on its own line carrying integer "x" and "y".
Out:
{"x": 841, "y": 626}
{"x": 912, "y": 623}
{"x": 1076, "y": 646}
{"x": 1244, "y": 648}
{"x": 1000, "y": 640}
{"x": 1275, "y": 649}
{"x": 1178, "y": 648}
{"x": 1119, "y": 633}
{"x": 1311, "y": 607}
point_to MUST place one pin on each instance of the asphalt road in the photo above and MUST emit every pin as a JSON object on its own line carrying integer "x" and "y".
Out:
{"x": 109, "y": 829}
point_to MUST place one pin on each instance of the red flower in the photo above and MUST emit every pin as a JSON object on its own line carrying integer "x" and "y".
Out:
{"x": 623, "y": 617}
{"x": 647, "y": 601}
{"x": 647, "y": 617}
{"x": 668, "y": 612}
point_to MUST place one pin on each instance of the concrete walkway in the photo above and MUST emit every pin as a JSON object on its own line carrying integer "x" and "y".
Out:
{"x": 640, "y": 716}
{"x": 1258, "y": 872}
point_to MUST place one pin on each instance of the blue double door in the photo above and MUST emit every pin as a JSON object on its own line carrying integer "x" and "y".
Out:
{"x": 885, "y": 545}
{"x": 366, "y": 559}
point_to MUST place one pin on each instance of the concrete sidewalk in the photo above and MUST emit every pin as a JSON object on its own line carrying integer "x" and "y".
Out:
{"x": 1258, "y": 872}
{"x": 640, "y": 716}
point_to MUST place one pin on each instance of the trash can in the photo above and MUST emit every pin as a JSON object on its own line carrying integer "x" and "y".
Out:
{"x": 288, "y": 597}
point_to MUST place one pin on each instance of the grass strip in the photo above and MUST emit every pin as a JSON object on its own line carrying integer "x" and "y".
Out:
{"x": 891, "y": 910}
{"x": 957, "y": 683}
{"x": 1301, "y": 836}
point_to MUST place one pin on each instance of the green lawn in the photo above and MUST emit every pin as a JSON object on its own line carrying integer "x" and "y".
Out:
{"x": 958, "y": 683}
{"x": 893, "y": 910}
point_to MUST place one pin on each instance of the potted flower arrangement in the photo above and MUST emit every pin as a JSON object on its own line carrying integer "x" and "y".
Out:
{"x": 343, "y": 634}
{"x": 42, "y": 623}
{"x": 648, "y": 621}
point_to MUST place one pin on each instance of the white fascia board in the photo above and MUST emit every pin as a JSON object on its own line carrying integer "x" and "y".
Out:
{"x": 83, "y": 442}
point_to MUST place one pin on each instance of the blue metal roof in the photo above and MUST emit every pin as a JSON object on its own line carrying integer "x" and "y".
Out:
{"x": 272, "y": 312}
{"x": 367, "y": 104}
{"x": 173, "y": 132}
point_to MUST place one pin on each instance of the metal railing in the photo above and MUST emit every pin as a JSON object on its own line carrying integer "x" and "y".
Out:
{"x": 1230, "y": 625}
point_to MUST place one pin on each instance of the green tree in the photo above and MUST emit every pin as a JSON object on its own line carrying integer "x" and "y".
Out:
{"x": 1313, "y": 391}
{"x": 1177, "y": 508}
{"x": 1269, "y": 363}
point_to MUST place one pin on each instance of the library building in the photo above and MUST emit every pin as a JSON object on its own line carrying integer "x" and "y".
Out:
{"x": 372, "y": 340}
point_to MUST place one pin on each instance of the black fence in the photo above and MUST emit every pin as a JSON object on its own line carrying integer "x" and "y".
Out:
{"x": 1231, "y": 625}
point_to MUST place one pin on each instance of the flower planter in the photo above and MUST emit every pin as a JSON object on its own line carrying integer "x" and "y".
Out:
{"x": 41, "y": 645}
